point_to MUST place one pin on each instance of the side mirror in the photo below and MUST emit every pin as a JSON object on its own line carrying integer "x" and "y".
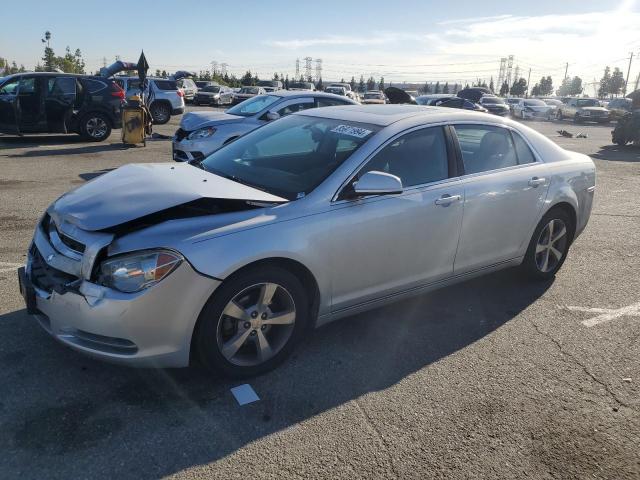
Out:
{"x": 272, "y": 116}
{"x": 377, "y": 183}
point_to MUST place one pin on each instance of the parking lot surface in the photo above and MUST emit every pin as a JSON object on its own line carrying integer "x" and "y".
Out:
{"x": 493, "y": 378}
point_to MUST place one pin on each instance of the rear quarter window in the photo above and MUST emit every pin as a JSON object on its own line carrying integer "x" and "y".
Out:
{"x": 94, "y": 86}
{"x": 166, "y": 84}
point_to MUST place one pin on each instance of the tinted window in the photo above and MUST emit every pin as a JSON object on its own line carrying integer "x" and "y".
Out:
{"x": 485, "y": 148}
{"x": 534, "y": 103}
{"x": 289, "y": 157}
{"x": 522, "y": 149}
{"x": 94, "y": 86}
{"x": 416, "y": 158}
{"x": 9, "y": 88}
{"x": 296, "y": 107}
{"x": 588, "y": 103}
{"x": 330, "y": 102}
{"x": 61, "y": 86}
{"x": 253, "y": 105}
{"x": 495, "y": 100}
{"x": 27, "y": 85}
{"x": 165, "y": 84}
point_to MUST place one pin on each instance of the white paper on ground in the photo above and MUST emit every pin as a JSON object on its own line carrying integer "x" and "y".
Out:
{"x": 244, "y": 394}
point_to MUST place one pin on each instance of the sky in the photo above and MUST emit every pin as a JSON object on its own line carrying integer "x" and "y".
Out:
{"x": 412, "y": 40}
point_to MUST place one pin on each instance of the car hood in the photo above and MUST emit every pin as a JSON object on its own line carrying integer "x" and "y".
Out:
{"x": 139, "y": 190}
{"x": 593, "y": 109}
{"x": 193, "y": 120}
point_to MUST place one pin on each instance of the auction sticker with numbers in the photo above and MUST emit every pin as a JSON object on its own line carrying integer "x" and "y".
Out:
{"x": 351, "y": 131}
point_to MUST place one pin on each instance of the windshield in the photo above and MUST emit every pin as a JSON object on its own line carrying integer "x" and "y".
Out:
{"x": 534, "y": 103}
{"x": 588, "y": 103}
{"x": 372, "y": 95}
{"x": 493, "y": 100}
{"x": 335, "y": 90}
{"x": 291, "y": 156}
{"x": 249, "y": 90}
{"x": 553, "y": 102}
{"x": 253, "y": 105}
{"x": 211, "y": 89}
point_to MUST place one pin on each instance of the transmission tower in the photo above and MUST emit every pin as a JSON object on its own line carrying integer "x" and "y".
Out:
{"x": 308, "y": 68}
{"x": 516, "y": 75}
{"x": 509, "y": 69}
{"x": 297, "y": 68}
{"x": 318, "y": 69}
{"x": 503, "y": 71}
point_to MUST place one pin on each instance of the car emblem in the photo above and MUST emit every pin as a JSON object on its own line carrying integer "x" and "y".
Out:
{"x": 51, "y": 257}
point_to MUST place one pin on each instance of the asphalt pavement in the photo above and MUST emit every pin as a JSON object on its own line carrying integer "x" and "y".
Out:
{"x": 493, "y": 378}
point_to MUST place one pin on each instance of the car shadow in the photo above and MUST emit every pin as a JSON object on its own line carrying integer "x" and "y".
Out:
{"x": 80, "y": 409}
{"x": 616, "y": 153}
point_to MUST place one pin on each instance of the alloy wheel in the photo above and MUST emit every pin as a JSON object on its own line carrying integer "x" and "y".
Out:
{"x": 551, "y": 246}
{"x": 96, "y": 127}
{"x": 256, "y": 324}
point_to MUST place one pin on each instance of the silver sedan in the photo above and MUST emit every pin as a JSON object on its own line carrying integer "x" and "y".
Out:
{"x": 311, "y": 218}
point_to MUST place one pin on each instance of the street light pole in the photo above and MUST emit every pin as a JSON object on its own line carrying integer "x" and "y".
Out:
{"x": 626, "y": 82}
{"x": 528, "y": 80}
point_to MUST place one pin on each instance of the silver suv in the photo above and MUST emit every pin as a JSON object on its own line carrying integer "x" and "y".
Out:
{"x": 165, "y": 96}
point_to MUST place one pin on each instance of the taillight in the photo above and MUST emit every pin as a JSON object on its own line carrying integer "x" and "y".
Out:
{"x": 180, "y": 93}
{"x": 117, "y": 91}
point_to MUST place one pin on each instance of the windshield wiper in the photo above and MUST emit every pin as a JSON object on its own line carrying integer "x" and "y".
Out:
{"x": 233, "y": 178}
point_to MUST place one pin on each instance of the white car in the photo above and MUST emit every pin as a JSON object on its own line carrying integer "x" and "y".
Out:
{"x": 531, "y": 108}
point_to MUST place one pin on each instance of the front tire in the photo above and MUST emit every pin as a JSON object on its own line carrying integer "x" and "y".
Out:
{"x": 252, "y": 323}
{"x": 549, "y": 245}
{"x": 95, "y": 127}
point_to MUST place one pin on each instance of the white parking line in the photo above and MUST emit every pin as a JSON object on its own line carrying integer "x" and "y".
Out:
{"x": 607, "y": 314}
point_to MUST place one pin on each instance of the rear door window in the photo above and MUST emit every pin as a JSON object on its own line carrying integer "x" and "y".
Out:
{"x": 166, "y": 84}
{"x": 485, "y": 148}
{"x": 94, "y": 86}
{"x": 10, "y": 88}
{"x": 524, "y": 153}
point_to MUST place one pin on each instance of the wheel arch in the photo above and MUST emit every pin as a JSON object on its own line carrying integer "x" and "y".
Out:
{"x": 570, "y": 210}
{"x": 301, "y": 271}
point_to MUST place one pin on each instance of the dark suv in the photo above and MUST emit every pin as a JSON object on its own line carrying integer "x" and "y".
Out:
{"x": 49, "y": 102}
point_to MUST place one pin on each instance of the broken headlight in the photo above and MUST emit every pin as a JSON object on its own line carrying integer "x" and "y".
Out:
{"x": 134, "y": 272}
{"x": 202, "y": 133}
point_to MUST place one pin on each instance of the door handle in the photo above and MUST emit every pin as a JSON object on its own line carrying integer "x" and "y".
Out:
{"x": 446, "y": 199}
{"x": 535, "y": 181}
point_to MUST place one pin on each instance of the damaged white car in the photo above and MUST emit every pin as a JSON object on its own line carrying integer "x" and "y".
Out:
{"x": 313, "y": 217}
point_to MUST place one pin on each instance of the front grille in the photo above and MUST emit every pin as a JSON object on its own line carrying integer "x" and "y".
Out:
{"x": 74, "y": 245}
{"x": 47, "y": 278}
{"x": 181, "y": 134}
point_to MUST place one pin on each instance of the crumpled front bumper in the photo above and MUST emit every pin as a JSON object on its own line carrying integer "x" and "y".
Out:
{"x": 186, "y": 150}
{"x": 151, "y": 328}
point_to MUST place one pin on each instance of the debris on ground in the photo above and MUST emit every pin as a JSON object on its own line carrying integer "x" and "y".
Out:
{"x": 628, "y": 380}
{"x": 582, "y": 135}
{"x": 564, "y": 133}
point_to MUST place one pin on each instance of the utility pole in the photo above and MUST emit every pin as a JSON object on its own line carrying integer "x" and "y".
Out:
{"x": 626, "y": 82}
{"x": 566, "y": 69}
{"x": 528, "y": 80}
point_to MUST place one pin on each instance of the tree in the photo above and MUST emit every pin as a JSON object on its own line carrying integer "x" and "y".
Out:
{"x": 535, "y": 91}
{"x": 247, "y": 78}
{"x": 319, "y": 85}
{"x": 617, "y": 82}
{"x": 570, "y": 87}
{"x": 352, "y": 83}
{"x": 605, "y": 83}
{"x": 491, "y": 85}
{"x": 504, "y": 89}
{"x": 546, "y": 86}
{"x": 286, "y": 82}
{"x": 381, "y": 84}
{"x": 519, "y": 87}
{"x": 371, "y": 83}
{"x": 164, "y": 74}
{"x": 445, "y": 89}
{"x": 436, "y": 89}
{"x": 361, "y": 84}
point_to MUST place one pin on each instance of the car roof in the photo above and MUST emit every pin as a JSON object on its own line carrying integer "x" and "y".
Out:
{"x": 384, "y": 115}
{"x": 51, "y": 74}
{"x": 306, "y": 93}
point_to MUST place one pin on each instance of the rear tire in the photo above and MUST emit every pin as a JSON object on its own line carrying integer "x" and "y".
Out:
{"x": 549, "y": 245}
{"x": 160, "y": 113}
{"x": 95, "y": 127}
{"x": 230, "y": 337}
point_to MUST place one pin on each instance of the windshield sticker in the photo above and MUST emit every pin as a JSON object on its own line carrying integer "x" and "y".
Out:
{"x": 351, "y": 131}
